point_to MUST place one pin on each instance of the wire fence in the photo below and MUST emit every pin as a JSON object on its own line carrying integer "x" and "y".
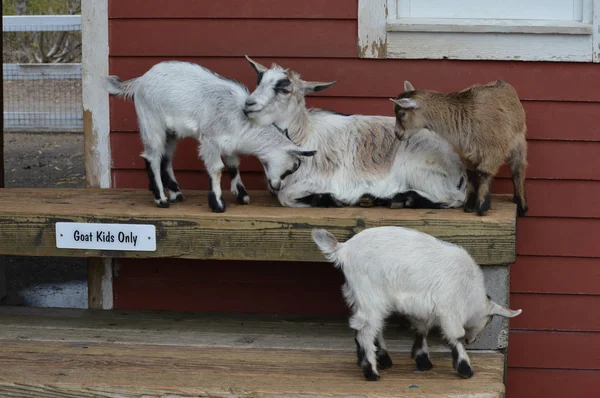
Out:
{"x": 42, "y": 96}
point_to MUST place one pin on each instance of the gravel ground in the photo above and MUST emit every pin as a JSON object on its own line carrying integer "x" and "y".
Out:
{"x": 42, "y": 160}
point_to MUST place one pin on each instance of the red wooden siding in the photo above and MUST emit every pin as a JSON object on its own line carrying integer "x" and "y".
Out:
{"x": 523, "y": 382}
{"x": 554, "y": 348}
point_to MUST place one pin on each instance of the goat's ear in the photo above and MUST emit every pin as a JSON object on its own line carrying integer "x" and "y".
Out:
{"x": 408, "y": 86}
{"x": 495, "y": 309}
{"x": 405, "y": 103}
{"x": 258, "y": 68}
{"x": 314, "y": 87}
{"x": 303, "y": 152}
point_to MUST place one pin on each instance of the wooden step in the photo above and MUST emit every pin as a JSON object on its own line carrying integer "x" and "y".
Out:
{"x": 75, "y": 353}
{"x": 262, "y": 230}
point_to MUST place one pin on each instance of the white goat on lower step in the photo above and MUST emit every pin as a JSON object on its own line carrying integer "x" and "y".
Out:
{"x": 174, "y": 100}
{"x": 432, "y": 282}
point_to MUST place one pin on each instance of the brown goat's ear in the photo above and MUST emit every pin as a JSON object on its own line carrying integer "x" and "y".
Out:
{"x": 313, "y": 87}
{"x": 408, "y": 86}
{"x": 405, "y": 103}
{"x": 258, "y": 68}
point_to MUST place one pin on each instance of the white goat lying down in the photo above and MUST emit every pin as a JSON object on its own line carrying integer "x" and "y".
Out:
{"x": 174, "y": 100}
{"x": 357, "y": 155}
{"x": 432, "y": 282}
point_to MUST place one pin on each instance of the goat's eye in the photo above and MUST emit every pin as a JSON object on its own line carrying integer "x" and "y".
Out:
{"x": 282, "y": 91}
{"x": 400, "y": 114}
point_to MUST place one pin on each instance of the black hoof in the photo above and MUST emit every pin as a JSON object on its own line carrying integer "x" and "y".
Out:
{"x": 423, "y": 362}
{"x": 163, "y": 204}
{"x": 366, "y": 201}
{"x": 178, "y": 198}
{"x": 464, "y": 370}
{"x": 521, "y": 211}
{"x": 384, "y": 360}
{"x": 242, "y": 197}
{"x": 369, "y": 374}
{"x": 217, "y": 206}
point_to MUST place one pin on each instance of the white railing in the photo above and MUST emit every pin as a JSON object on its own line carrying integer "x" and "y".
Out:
{"x": 40, "y": 71}
{"x": 43, "y": 121}
{"x": 41, "y": 23}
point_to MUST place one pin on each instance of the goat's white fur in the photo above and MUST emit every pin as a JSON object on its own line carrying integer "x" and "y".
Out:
{"x": 395, "y": 269}
{"x": 188, "y": 100}
{"x": 426, "y": 164}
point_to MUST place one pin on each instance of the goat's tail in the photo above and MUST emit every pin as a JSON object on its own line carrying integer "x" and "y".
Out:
{"x": 123, "y": 89}
{"x": 328, "y": 244}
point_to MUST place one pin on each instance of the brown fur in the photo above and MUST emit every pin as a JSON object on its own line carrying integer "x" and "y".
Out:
{"x": 484, "y": 123}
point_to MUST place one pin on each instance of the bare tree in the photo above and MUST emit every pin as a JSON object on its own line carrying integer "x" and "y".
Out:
{"x": 63, "y": 46}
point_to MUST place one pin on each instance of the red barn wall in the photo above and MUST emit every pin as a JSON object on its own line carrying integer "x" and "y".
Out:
{"x": 554, "y": 348}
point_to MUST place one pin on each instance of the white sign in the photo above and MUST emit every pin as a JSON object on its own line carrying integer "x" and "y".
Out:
{"x": 81, "y": 235}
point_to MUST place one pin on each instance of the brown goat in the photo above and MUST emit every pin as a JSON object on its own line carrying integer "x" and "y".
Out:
{"x": 486, "y": 126}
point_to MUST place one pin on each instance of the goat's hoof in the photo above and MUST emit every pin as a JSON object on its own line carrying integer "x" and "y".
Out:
{"x": 384, "y": 361}
{"x": 216, "y": 205}
{"x": 464, "y": 370}
{"x": 176, "y": 197}
{"x": 521, "y": 211}
{"x": 243, "y": 199}
{"x": 482, "y": 211}
{"x": 370, "y": 375}
{"x": 366, "y": 201}
{"x": 423, "y": 362}
{"x": 162, "y": 203}
{"x": 241, "y": 195}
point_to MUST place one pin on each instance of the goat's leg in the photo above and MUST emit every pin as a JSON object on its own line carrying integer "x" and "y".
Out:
{"x": 153, "y": 167}
{"x": 455, "y": 335}
{"x": 237, "y": 186}
{"x": 366, "y": 350}
{"x": 460, "y": 360}
{"x": 383, "y": 357}
{"x": 214, "y": 165}
{"x": 484, "y": 193}
{"x": 517, "y": 162}
{"x": 420, "y": 351}
{"x": 167, "y": 174}
{"x": 472, "y": 188}
{"x": 320, "y": 200}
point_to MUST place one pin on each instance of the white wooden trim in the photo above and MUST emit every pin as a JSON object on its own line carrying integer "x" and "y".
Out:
{"x": 488, "y": 26}
{"x": 596, "y": 32}
{"x": 96, "y": 116}
{"x": 41, "y": 23}
{"x": 41, "y": 71}
{"x": 95, "y": 97}
{"x": 421, "y": 38}
{"x": 372, "y": 35}
{"x": 490, "y": 46}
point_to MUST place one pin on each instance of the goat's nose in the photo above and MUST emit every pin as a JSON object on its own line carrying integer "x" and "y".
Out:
{"x": 249, "y": 102}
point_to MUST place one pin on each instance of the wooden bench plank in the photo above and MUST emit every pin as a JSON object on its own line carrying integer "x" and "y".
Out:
{"x": 67, "y": 353}
{"x": 261, "y": 231}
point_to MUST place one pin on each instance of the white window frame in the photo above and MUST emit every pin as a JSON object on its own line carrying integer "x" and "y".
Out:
{"x": 381, "y": 34}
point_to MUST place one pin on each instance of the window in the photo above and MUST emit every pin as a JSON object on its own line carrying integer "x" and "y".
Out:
{"x": 525, "y": 30}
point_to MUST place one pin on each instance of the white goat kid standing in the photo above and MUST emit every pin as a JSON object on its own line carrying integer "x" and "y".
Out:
{"x": 357, "y": 155}
{"x": 174, "y": 100}
{"x": 432, "y": 282}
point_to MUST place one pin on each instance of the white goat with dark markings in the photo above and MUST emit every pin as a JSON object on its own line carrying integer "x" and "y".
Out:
{"x": 358, "y": 156}
{"x": 174, "y": 100}
{"x": 432, "y": 282}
